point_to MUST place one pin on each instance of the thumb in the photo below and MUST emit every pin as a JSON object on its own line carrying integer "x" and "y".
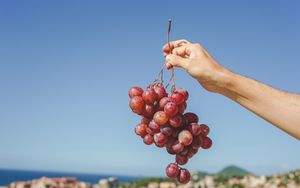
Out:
{"x": 175, "y": 60}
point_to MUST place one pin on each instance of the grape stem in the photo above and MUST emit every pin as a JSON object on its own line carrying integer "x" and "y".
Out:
{"x": 159, "y": 77}
{"x": 168, "y": 41}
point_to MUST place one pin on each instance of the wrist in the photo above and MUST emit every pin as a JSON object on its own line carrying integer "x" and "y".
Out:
{"x": 225, "y": 82}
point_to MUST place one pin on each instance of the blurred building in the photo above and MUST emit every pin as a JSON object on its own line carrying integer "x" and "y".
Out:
{"x": 107, "y": 183}
{"x": 44, "y": 182}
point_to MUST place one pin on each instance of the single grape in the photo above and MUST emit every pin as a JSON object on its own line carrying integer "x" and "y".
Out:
{"x": 160, "y": 118}
{"x": 191, "y": 152}
{"x": 135, "y": 91}
{"x": 150, "y": 131}
{"x": 169, "y": 145}
{"x": 182, "y": 107}
{"x": 182, "y": 92}
{"x": 185, "y": 150}
{"x": 164, "y": 101}
{"x": 170, "y": 142}
{"x": 172, "y": 170}
{"x": 137, "y": 104}
{"x": 184, "y": 123}
{"x": 177, "y": 98}
{"x": 194, "y": 128}
{"x": 175, "y": 121}
{"x": 175, "y": 133}
{"x": 171, "y": 109}
{"x": 149, "y": 96}
{"x": 184, "y": 176}
{"x": 145, "y": 120}
{"x": 160, "y": 145}
{"x": 166, "y": 130}
{"x": 160, "y": 138}
{"x": 204, "y": 130}
{"x": 177, "y": 147}
{"x": 154, "y": 127}
{"x": 191, "y": 117}
{"x": 170, "y": 150}
{"x": 185, "y": 137}
{"x": 148, "y": 139}
{"x": 207, "y": 143}
{"x": 197, "y": 142}
{"x": 181, "y": 159}
{"x": 148, "y": 110}
{"x": 140, "y": 130}
{"x": 160, "y": 91}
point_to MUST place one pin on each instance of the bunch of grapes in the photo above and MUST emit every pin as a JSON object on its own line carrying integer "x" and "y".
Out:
{"x": 165, "y": 123}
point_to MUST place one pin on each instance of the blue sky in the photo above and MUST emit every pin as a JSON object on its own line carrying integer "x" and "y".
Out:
{"x": 66, "y": 67}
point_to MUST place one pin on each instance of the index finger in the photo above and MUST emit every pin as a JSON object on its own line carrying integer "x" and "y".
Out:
{"x": 174, "y": 44}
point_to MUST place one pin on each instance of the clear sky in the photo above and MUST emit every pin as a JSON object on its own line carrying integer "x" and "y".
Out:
{"x": 66, "y": 67}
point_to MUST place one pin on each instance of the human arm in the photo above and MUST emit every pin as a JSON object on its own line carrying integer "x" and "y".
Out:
{"x": 280, "y": 108}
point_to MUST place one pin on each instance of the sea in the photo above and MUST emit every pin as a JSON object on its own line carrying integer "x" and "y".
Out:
{"x": 8, "y": 176}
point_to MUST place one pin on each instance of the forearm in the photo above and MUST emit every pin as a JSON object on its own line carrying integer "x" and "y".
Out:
{"x": 280, "y": 108}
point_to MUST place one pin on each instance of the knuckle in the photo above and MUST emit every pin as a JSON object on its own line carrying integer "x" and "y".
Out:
{"x": 198, "y": 46}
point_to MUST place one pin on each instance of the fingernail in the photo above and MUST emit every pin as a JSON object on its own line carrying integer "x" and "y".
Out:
{"x": 168, "y": 66}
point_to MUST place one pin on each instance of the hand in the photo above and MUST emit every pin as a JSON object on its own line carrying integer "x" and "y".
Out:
{"x": 280, "y": 108}
{"x": 197, "y": 62}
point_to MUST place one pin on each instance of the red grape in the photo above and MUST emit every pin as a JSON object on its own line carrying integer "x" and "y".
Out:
{"x": 172, "y": 170}
{"x": 207, "y": 143}
{"x": 177, "y": 98}
{"x": 184, "y": 176}
{"x": 204, "y": 130}
{"x": 175, "y": 133}
{"x": 169, "y": 145}
{"x": 145, "y": 120}
{"x": 149, "y": 96}
{"x": 164, "y": 101}
{"x": 185, "y": 137}
{"x": 185, "y": 150}
{"x": 182, "y": 92}
{"x": 160, "y": 145}
{"x": 191, "y": 152}
{"x": 170, "y": 150}
{"x": 160, "y": 138}
{"x": 182, "y": 107}
{"x": 171, "y": 109}
{"x": 194, "y": 128}
{"x": 170, "y": 141}
{"x": 140, "y": 129}
{"x": 148, "y": 110}
{"x": 177, "y": 147}
{"x": 137, "y": 104}
{"x": 148, "y": 139}
{"x": 160, "y": 118}
{"x": 197, "y": 142}
{"x": 191, "y": 117}
{"x": 150, "y": 131}
{"x": 181, "y": 159}
{"x": 135, "y": 91}
{"x": 154, "y": 127}
{"x": 175, "y": 121}
{"x": 160, "y": 91}
{"x": 166, "y": 130}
